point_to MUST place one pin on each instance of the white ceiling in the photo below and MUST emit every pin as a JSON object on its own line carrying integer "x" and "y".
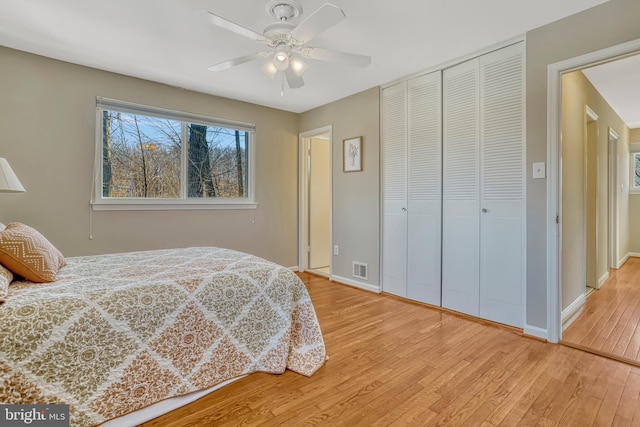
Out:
{"x": 165, "y": 41}
{"x": 619, "y": 83}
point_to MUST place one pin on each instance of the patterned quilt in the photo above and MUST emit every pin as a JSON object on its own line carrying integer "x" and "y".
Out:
{"x": 116, "y": 333}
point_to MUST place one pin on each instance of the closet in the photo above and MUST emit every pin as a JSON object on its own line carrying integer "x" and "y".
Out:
{"x": 412, "y": 201}
{"x": 453, "y": 174}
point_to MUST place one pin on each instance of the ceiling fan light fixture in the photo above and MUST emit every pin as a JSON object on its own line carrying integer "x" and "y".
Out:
{"x": 281, "y": 57}
{"x": 298, "y": 66}
{"x": 269, "y": 69}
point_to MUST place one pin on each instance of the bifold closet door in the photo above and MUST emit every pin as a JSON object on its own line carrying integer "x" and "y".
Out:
{"x": 424, "y": 188}
{"x": 502, "y": 160}
{"x": 394, "y": 178}
{"x": 461, "y": 223}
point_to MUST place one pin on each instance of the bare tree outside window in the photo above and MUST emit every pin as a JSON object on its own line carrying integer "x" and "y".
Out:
{"x": 141, "y": 158}
{"x": 636, "y": 182}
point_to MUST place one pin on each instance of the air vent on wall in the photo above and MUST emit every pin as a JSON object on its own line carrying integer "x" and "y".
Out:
{"x": 360, "y": 270}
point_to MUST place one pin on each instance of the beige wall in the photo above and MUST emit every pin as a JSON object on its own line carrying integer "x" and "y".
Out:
{"x": 577, "y": 92}
{"x": 356, "y": 195}
{"x": 47, "y": 132}
{"x": 634, "y": 207}
{"x": 603, "y": 26}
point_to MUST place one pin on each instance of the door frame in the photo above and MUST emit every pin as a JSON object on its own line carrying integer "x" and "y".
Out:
{"x": 303, "y": 196}
{"x": 590, "y": 117}
{"x": 554, "y": 183}
{"x": 612, "y": 255}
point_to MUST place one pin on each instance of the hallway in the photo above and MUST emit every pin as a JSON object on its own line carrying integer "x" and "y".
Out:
{"x": 610, "y": 321}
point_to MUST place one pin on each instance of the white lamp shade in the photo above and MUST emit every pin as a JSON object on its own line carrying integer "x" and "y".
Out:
{"x": 9, "y": 182}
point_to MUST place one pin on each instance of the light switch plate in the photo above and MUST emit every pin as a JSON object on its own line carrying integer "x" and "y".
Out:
{"x": 539, "y": 170}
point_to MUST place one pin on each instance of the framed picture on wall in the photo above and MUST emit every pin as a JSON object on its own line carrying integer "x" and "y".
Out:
{"x": 352, "y": 154}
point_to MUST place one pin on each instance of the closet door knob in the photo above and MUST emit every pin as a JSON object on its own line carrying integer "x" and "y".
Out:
{"x": 404, "y": 209}
{"x": 484, "y": 210}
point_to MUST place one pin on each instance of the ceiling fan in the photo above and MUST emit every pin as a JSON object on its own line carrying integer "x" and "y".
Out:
{"x": 288, "y": 42}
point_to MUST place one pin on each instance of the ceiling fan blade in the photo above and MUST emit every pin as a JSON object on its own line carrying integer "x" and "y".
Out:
{"x": 237, "y": 61}
{"x": 221, "y": 22}
{"x": 318, "y": 22}
{"x": 335, "y": 56}
{"x": 295, "y": 81}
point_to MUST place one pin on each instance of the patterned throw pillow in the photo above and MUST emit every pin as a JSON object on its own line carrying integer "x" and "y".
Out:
{"x": 5, "y": 278}
{"x": 27, "y": 253}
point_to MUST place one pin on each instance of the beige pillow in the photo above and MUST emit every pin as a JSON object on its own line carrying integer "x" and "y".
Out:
{"x": 5, "y": 279}
{"x": 27, "y": 253}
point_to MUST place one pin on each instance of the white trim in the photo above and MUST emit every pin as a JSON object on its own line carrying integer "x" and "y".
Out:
{"x": 570, "y": 313}
{"x": 357, "y": 284}
{"x": 590, "y": 117}
{"x": 603, "y": 279}
{"x": 633, "y": 254}
{"x": 623, "y": 260}
{"x": 459, "y": 60}
{"x": 169, "y": 205}
{"x": 612, "y": 188}
{"x": 303, "y": 203}
{"x": 535, "y": 331}
{"x": 554, "y": 242}
{"x": 294, "y": 268}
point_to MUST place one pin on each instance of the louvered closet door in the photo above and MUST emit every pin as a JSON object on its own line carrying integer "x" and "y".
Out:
{"x": 460, "y": 223}
{"x": 394, "y": 178}
{"x": 502, "y": 186}
{"x": 424, "y": 198}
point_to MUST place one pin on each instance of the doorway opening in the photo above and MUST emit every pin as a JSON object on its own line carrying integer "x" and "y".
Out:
{"x": 315, "y": 202}
{"x": 607, "y": 218}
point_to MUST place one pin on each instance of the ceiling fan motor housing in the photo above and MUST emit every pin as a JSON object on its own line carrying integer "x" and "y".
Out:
{"x": 283, "y": 10}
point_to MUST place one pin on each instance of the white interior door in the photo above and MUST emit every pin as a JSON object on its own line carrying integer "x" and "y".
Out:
{"x": 460, "y": 238}
{"x": 394, "y": 178}
{"x": 319, "y": 202}
{"x": 424, "y": 192}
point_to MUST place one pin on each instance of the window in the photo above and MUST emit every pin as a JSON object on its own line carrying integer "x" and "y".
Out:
{"x": 150, "y": 158}
{"x": 635, "y": 172}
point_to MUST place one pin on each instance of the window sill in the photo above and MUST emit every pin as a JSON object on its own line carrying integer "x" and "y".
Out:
{"x": 170, "y": 205}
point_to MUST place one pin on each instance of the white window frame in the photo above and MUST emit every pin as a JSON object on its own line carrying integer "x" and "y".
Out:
{"x": 633, "y": 188}
{"x": 100, "y": 203}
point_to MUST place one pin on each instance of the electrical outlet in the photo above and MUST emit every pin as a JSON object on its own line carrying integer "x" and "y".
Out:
{"x": 336, "y": 250}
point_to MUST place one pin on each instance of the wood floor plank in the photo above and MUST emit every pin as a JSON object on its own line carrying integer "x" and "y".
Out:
{"x": 610, "y": 321}
{"x": 397, "y": 363}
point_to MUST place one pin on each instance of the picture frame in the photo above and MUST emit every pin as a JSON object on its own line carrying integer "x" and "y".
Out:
{"x": 352, "y": 154}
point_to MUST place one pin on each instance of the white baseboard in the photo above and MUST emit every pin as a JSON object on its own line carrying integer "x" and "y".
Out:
{"x": 633, "y": 254}
{"x": 296, "y": 268}
{"x": 623, "y": 260}
{"x": 570, "y": 313}
{"x": 603, "y": 279}
{"x": 535, "y": 331}
{"x": 362, "y": 285}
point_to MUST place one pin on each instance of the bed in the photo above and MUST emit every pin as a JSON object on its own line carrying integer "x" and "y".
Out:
{"x": 114, "y": 334}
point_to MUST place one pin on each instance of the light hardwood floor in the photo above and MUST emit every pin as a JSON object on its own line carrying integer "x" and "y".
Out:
{"x": 393, "y": 362}
{"x": 610, "y": 320}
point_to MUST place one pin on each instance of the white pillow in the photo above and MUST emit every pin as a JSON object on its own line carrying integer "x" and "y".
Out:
{"x": 2, "y": 226}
